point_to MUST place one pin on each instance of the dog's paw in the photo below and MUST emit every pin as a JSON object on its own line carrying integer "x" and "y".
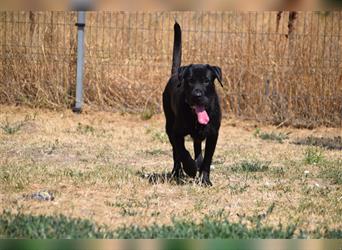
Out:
{"x": 190, "y": 171}
{"x": 189, "y": 165}
{"x": 177, "y": 173}
{"x": 205, "y": 180}
{"x": 190, "y": 168}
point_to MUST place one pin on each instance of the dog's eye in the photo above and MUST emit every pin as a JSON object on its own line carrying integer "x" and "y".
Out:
{"x": 206, "y": 82}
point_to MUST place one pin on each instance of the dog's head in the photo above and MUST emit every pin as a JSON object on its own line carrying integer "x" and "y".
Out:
{"x": 197, "y": 81}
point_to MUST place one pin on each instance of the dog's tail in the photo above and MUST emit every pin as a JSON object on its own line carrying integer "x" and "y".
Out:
{"x": 177, "y": 48}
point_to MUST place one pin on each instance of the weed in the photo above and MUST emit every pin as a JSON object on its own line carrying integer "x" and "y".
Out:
{"x": 251, "y": 166}
{"x": 156, "y": 152}
{"x": 100, "y": 174}
{"x": 158, "y": 135}
{"x": 128, "y": 212}
{"x": 256, "y": 132}
{"x": 313, "y": 155}
{"x": 18, "y": 177}
{"x": 126, "y": 208}
{"x": 256, "y": 219}
{"x": 278, "y": 172}
{"x": 279, "y": 137}
{"x": 85, "y": 129}
{"x": 305, "y": 205}
{"x": 155, "y": 213}
{"x": 332, "y": 171}
{"x": 315, "y": 190}
{"x": 77, "y": 175}
{"x": 237, "y": 188}
{"x": 147, "y": 114}
{"x": 12, "y": 128}
{"x": 161, "y": 137}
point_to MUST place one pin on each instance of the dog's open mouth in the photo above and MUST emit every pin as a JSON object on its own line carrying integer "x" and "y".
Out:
{"x": 202, "y": 115}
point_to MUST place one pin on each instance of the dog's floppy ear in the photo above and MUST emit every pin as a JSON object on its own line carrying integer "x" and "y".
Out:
{"x": 180, "y": 74}
{"x": 217, "y": 72}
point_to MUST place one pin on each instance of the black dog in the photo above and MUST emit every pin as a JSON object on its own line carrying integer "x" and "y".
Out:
{"x": 191, "y": 106}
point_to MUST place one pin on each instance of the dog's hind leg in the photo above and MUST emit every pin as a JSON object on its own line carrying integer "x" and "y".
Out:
{"x": 189, "y": 165}
{"x": 170, "y": 119}
{"x": 181, "y": 155}
{"x": 177, "y": 170}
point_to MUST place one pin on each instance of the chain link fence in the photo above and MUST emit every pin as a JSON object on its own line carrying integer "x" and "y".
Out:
{"x": 281, "y": 67}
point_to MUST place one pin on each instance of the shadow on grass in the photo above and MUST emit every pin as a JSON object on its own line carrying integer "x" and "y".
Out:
{"x": 61, "y": 227}
{"x": 334, "y": 143}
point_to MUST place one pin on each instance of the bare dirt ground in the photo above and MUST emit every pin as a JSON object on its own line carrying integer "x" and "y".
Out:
{"x": 110, "y": 168}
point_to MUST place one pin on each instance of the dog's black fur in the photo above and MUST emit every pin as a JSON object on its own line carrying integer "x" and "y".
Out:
{"x": 189, "y": 86}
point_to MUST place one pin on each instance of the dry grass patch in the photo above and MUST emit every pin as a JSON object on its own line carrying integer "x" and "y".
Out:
{"x": 97, "y": 166}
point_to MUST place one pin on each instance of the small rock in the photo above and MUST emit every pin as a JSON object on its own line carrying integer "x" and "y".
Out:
{"x": 41, "y": 196}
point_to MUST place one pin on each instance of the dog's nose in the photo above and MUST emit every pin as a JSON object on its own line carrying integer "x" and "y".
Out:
{"x": 197, "y": 93}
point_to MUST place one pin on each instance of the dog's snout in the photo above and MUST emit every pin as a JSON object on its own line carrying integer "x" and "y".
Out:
{"x": 197, "y": 93}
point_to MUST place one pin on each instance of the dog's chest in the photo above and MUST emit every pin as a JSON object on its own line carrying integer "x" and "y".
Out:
{"x": 199, "y": 132}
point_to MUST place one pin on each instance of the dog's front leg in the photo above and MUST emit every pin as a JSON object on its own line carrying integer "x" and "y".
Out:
{"x": 210, "y": 146}
{"x": 198, "y": 153}
{"x": 177, "y": 169}
{"x": 189, "y": 165}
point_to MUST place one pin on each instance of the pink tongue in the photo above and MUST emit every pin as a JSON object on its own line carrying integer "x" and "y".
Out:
{"x": 202, "y": 115}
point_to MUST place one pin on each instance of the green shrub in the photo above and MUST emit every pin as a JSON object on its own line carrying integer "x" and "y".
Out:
{"x": 313, "y": 155}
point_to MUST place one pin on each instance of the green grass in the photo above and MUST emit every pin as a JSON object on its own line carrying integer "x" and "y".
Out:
{"x": 251, "y": 166}
{"x": 238, "y": 188}
{"x": 157, "y": 135}
{"x": 47, "y": 227}
{"x": 313, "y": 155}
{"x": 279, "y": 137}
{"x": 11, "y": 128}
{"x": 16, "y": 177}
{"x": 332, "y": 171}
{"x": 206, "y": 229}
{"x": 147, "y": 114}
{"x": 155, "y": 152}
{"x": 61, "y": 227}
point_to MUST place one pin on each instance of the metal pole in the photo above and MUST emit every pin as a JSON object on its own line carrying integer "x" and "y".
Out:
{"x": 80, "y": 61}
